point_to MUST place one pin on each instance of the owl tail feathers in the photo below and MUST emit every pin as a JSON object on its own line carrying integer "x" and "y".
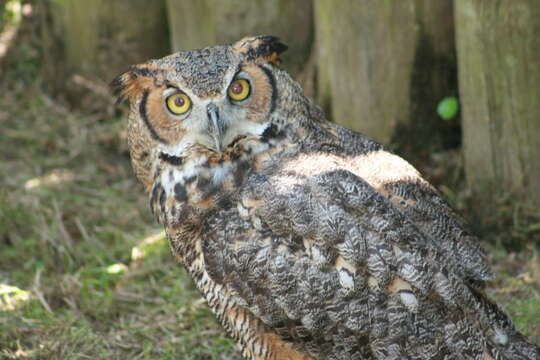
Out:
{"x": 503, "y": 341}
{"x": 518, "y": 348}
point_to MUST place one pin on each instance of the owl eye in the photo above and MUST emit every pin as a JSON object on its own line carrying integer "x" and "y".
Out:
{"x": 178, "y": 103}
{"x": 239, "y": 90}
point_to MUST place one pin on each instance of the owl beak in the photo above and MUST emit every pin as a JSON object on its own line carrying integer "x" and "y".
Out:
{"x": 216, "y": 126}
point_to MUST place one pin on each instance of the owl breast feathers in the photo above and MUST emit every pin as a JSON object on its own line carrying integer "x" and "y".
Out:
{"x": 307, "y": 240}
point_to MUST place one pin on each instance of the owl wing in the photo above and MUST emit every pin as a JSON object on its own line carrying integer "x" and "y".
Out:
{"x": 422, "y": 205}
{"x": 329, "y": 262}
{"x": 416, "y": 199}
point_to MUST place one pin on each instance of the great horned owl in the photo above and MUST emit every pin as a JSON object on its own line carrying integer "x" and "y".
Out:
{"x": 307, "y": 240}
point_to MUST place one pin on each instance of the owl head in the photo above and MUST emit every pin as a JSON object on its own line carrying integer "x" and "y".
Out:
{"x": 206, "y": 98}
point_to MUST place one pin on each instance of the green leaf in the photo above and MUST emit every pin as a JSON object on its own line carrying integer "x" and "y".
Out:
{"x": 448, "y": 107}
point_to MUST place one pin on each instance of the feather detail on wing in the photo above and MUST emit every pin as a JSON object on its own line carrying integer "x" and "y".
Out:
{"x": 325, "y": 256}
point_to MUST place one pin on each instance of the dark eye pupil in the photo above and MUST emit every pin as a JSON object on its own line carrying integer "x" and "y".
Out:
{"x": 236, "y": 88}
{"x": 179, "y": 101}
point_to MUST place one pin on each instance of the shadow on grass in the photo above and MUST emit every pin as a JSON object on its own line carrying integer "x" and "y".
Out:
{"x": 84, "y": 271}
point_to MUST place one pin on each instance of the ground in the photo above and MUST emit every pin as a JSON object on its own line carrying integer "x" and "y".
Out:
{"x": 84, "y": 270}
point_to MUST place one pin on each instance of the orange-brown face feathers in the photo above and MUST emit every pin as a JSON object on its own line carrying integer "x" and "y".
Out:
{"x": 207, "y": 97}
{"x": 194, "y": 107}
{"x": 263, "y": 93}
{"x": 166, "y": 126}
{"x": 136, "y": 80}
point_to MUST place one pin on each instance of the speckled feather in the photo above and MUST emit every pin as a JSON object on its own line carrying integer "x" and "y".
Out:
{"x": 308, "y": 240}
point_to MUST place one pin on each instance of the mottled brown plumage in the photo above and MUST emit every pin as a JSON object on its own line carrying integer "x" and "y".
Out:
{"x": 308, "y": 240}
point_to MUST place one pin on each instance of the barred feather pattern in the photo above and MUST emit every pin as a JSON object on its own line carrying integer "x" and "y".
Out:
{"x": 307, "y": 240}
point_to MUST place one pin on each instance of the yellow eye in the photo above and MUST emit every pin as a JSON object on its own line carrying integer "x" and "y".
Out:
{"x": 178, "y": 103}
{"x": 239, "y": 90}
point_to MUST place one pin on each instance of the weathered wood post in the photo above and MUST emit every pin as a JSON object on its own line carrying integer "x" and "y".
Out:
{"x": 499, "y": 79}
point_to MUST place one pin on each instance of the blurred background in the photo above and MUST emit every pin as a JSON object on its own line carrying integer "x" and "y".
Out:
{"x": 451, "y": 85}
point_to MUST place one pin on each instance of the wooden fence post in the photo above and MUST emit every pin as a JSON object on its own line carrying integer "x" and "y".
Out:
{"x": 499, "y": 79}
{"x": 198, "y": 23}
{"x": 98, "y": 39}
{"x": 384, "y": 65}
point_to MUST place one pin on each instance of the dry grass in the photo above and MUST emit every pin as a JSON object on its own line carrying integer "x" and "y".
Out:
{"x": 84, "y": 270}
{"x": 517, "y": 288}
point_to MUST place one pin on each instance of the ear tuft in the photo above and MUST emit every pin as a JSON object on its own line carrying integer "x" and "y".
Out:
{"x": 133, "y": 82}
{"x": 120, "y": 84}
{"x": 265, "y": 48}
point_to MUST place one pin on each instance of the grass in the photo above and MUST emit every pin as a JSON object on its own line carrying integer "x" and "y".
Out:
{"x": 517, "y": 288}
{"x": 84, "y": 270}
